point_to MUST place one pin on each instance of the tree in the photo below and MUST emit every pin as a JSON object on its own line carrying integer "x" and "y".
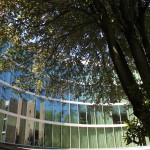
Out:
{"x": 82, "y": 42}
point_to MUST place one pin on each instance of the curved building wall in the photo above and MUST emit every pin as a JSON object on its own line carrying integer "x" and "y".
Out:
{"x": 29, "y": 119}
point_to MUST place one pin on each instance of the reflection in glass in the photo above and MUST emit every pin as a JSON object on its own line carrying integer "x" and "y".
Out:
{"x": 74, "y": 137}
{"x": 109, "y": 137}
{"x": 101, "y": 137}
{"x": 91, "y": 115}
{"x": 99, "y": 115}
{"x": 10, "y": 130}
{"x": 65, "y": 137}
{"x": 74, "y": 113}
{"x": 116, "y": 115}
{"x": 48, "y": 135}
{"x": 57, "y": 111}
{"x": 56, "y": 136}
{"x": 82, "y": 114}
{"x": 123, "y": 113}
{"x": 65, "y": 113}
{"x": 92, "y": 138}
{"x": 83, "y": 137}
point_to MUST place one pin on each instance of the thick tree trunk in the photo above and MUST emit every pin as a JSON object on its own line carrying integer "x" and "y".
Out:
{"x": 131, "y": 88}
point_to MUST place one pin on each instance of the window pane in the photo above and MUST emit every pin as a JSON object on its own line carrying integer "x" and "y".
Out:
{"x": 91, "y": 115}
{"x": 65, "y": 112}
{"x": 74, "y": 137}
{"x": 56, "y": 136}
{"x": 48, "y": 110}
{"x": 92, "y": 138}
{"x": 48, "y": 135}
{"x": 123, "y": 112}
{"x": 110, "y": 137}
{"x": 57, "y": 111}
{"x": 10, "y": 131}
{"x": 101, "y": 138}
{"x": 83, "y": 138}
{"x": 99, "y": 115}
{"x": 74, "y": 113}
{"x": 65, "y": 137}
{"x": 107, "y": 114}
{"x": 116, "y": 115}
{"x": 82, "y": 114}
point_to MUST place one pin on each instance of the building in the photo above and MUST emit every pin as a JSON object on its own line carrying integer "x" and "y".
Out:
{"x": 66, "y": 122}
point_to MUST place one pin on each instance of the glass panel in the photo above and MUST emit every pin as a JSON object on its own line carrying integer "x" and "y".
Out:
{"x": 123, "y": 112}
{"x": 65, "y": 112}
{"x": 29, "y": 132}
{"x": 101, "y": 138}
{"x": 82, "y": 114}
{"x": 83, "y": 138}
{"x": 65, "y": 137}
{"x": 57, "y": 111}
{"x": 107, "y": 114}
{"x": 11, "y": 127}
{"x": 116, "y": 115}
{"x": 92, "y": 138}
{"x": 13, "y": 105}
{"x": 20, "y": 131}
{"x": 41, "y": 125}
{"x": 99, "y": 115}
{"x": 14, "y": 94}
{"x": 73, "y": 113}
{"x": 118, "y": 137}
{"x": 48, "y": 135}
{"x": 130, "y": 113}
{"x": 8, "y": 77}
{"x": 56, "y": 136}
{"x": 36, "y": 134}
{"x": 1, "y": 122}
{"x": 5, "y": 93}
{"x": 91, "y": 115}
{"x": 74, "y": 137}
{"x": 48, "y": 110}
{"x": 110, "y": 137}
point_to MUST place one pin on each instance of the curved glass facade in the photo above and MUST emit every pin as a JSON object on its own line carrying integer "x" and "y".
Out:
{"x": 61, "y": 122}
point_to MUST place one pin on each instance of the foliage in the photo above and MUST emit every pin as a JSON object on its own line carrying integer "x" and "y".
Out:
{"x": 135, "y": 132}
{"x": 96, "y": 49}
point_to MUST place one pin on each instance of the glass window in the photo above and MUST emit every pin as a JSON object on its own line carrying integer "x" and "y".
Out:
{"x": 123, "y": 113}
{"x": 91, "y": 115}
{"x": 57, "y": 110}
{"x": 48, "y": 110}
{"x": 74, "y": 113}
{"x": 20, "y": 131}
{"x": 36, "y": 134}
{"x": 48, "y": 135}
{"x": 10, "y": 130}
{"x": 110, "y": 137}
{"x": 107, "y": 114}
{"x": 82, "y": 114}
{"x": 56, "y": 136}
{"x": 101, "y": 138}
{"x": 13, "y": 105}
{"x": 65, "y": 112}
{"x": 5, "y": 93}
{"x": 92, "y": 138}
{"x": 118, "y": 137}
{"x": 116, "y": 115}
{"x": 83, "y": 138}
{"x": 29, "y": 132}
{"x": 74, "y": 137}
{"x": 65, "y": 137}
{"x": 99, "y": 115}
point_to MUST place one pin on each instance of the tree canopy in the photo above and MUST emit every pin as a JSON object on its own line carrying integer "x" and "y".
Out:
{"x": 99, "y": 48}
